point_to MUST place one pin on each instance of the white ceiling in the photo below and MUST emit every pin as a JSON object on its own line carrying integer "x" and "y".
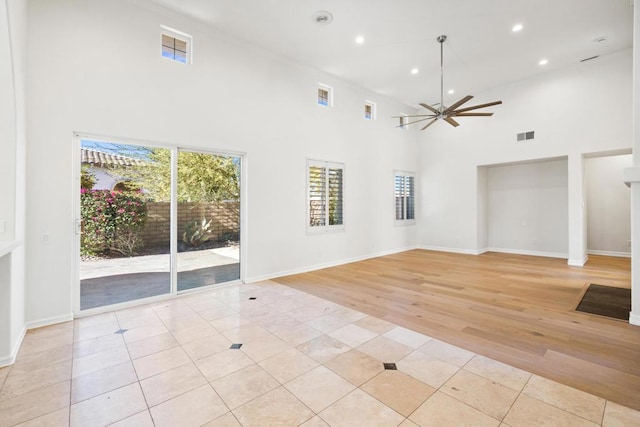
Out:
{"x": 481, "y": 51}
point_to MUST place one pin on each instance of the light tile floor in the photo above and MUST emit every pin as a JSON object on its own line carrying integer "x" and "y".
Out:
{"x": 303, "y": 361}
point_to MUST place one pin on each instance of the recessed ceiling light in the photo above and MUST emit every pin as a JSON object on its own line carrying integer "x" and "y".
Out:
{"x": 451, "y": 92}
{"x": 543, "y": 62}
{"x": 415, "y": 71}
{"x": 517, "y": 27}
{"x": 322, "y": 17}
{"x": 359, "y": 39}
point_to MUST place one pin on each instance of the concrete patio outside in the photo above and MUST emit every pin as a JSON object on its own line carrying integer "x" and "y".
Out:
{"x": 111, "y": 281}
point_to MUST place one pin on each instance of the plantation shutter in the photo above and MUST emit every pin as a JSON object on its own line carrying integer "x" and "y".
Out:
{"x": 335, "y": 196}
{"x": 410, "y": 198}
{"x": 399, "y": 193}
{"x": 404, "y": 193}
{"x": 325, "y": 196}
{"x": 317, "y": 196}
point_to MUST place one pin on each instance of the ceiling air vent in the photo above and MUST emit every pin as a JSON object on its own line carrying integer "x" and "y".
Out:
{"x": 589, "y": 59}
{"x": 525, "y": 136}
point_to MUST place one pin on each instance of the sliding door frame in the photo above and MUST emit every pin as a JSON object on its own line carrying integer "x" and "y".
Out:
{"x": 175, "y": 149}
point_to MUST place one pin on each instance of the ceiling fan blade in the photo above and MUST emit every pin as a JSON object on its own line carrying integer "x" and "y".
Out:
{"x": 417, "y": 121}
{"x": 472, "y": 114}
{"x": 475, "y": 107}
{"x": 451, "y": 122}
{"x": 459, "y": 103}
{"x": 414, "y": 115}
{"x": 429, "y": 124}
{"x": 429, "y": 107}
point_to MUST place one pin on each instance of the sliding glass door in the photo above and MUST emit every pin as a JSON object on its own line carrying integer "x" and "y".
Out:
{"x": 208, "y": 219}
{"x": 132, "y": 198}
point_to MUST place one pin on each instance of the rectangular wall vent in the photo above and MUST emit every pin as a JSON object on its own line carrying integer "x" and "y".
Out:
{"x": 525, "y": 136}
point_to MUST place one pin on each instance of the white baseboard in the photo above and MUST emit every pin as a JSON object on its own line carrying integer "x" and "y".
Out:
{"x": 453, "y": 250}
{"x": 49, "y": 321}
{"x": 9, "y": 359}
{"x": 326, "y": 265}
{"x": 528, "y": 252}
{"x": 634, "y": 318}
{"x": 610, "y": 253}
{"x": 578, "y": 262}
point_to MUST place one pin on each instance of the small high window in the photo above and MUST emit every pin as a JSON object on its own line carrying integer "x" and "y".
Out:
{"x": 404, "y": 121}
{"x": 176, "y": 45}
{"x": 325, "y": 95}
{"x": 369, "y": 110}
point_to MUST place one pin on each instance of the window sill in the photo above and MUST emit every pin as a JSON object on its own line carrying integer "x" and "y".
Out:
{"x": 324, "y": 230}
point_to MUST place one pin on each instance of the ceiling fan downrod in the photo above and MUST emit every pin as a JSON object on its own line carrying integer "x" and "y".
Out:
{"x": 441, "y": 39}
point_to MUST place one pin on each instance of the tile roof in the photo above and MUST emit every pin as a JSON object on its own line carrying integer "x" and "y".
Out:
{"x": 99, "y": 158}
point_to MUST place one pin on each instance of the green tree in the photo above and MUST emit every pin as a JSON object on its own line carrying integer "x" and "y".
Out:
{"x": 201, "y": 177}
{"x": 87, "y": 178}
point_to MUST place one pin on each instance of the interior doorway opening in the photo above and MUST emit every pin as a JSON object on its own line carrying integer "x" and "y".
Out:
{"x": 608, "y": 205}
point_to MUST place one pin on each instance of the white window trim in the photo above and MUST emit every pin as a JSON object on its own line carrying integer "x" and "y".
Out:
{"x": 374, "y": 110}
{"x": 329, "y": 89}
{"x": 325, "y": 228}
{"x": 403, "y": 222}
{"x": 171, "y": 32}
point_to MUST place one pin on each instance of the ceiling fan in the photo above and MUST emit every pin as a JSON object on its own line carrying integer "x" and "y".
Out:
{"x": 443, "y": 112}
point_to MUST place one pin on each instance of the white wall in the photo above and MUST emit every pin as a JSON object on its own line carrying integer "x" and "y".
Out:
{"x": 95, "y": 66}
{"x": 559, "y": 107}
{"x": 608, "y": 206}
{"x": 104, "y": 180}
{"x": 13, "y": 42}
{"x": 7, "y": 129}
{"x": 632, "y": 175}
{"x": 528, "y": 208}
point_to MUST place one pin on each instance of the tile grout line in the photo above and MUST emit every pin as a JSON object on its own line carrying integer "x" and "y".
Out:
{"x": 136, "y": 373}
{"x": 268, "y": 373}
{"x": 562, "y": 409}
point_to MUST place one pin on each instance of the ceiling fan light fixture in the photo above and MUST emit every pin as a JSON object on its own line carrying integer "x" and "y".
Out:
{"x": 442, "y": 112}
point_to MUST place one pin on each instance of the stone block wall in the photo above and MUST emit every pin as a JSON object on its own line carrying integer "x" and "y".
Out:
{"x": 225, "y": 224}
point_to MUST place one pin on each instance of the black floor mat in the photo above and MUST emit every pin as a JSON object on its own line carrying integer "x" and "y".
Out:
{"x": 606, "y": 301}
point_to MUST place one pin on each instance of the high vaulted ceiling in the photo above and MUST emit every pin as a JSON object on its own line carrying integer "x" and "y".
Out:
{"x": 481, "y": 51}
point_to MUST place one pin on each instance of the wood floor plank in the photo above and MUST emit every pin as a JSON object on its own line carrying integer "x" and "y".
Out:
{"x": 513, "y": 308}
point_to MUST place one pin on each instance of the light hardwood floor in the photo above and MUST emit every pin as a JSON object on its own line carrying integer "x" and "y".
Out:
{"x": 513, "y": 308}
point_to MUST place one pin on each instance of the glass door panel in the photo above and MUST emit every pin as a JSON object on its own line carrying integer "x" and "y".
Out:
{"x": 208, "y": 219}
{"x": 125, "y": 213}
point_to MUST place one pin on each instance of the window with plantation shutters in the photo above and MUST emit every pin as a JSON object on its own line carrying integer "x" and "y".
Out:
{"x": 325, "y": 196}
{"x": 404, "y": 195}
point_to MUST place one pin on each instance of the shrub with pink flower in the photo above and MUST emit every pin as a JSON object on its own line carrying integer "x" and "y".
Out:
{"x": 111, "y": 221}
